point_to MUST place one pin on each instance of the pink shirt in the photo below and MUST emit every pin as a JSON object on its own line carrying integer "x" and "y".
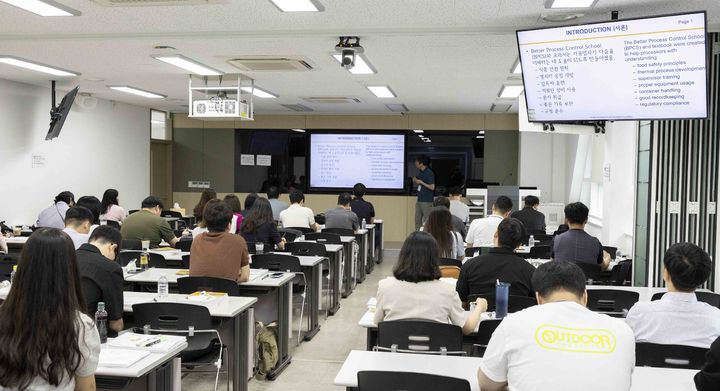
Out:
{"x": 114, "y": 213}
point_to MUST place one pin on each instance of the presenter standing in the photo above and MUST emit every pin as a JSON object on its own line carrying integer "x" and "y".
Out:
{"x": 425, "y": 182}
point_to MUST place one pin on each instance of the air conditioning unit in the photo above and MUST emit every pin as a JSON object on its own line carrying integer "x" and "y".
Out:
{"x": 220, "y": 108}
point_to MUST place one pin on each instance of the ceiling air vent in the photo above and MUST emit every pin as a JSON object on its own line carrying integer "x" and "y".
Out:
{"x": 499, "y": 107}
{"x": 138, "y": 3}
{"x": 270, "y": 64}
{"x": 332, "y": 100}
{"x": 298, "y": 107}
{"x": 397, "y": 107}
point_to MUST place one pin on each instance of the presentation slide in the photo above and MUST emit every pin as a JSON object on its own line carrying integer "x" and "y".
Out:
{"x": 651, "y": 68}
{"x": 342, "y": 160}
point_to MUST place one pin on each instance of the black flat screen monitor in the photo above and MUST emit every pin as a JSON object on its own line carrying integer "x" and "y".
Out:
{"x": 60, "y": 113}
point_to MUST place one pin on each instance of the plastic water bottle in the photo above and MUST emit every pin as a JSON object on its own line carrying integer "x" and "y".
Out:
{"x": 531, "y": 241}
{"x": 144, "y": 260}
{"x": 162, "y": 290}
{"x": 12, "y": 273}
{"x": 101, "y": 318}
{"x": 363, "y": 225}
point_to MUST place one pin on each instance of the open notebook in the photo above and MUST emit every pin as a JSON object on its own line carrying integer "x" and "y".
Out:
{"x": 156, "y": 343}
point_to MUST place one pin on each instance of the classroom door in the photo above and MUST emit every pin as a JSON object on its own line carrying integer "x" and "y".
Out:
{"x": 161, "y": 171}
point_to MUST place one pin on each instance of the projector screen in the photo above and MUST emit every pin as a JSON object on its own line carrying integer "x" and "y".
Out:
{"x": 650, "y": 68}
{"x": 339, "y": 161}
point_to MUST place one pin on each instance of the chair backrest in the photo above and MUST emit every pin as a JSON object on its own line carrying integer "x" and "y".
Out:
{"x": 277, "y": 263}
{"x": 485, "y": 330}
{"x": 592, "y": 272}
{"x": 706, "y": 297}
{"x": 449, "y": 262}
{"x": 542, "y": 252}
{"x": 188, "y": 285}
{"x": 113, "y": 224}
{"x": 131, "y": 211}
{"x": 154, "y": 260}
{"x": 669, "y": 356}
{"x": 172, "y": 316}
{"x": 184, "y": 244}
{"x": 621, "y": 272}
{"x": 185, "y": 262}
{"x": 304, "y": 230}
{"x": 324, "y": 237}
{"x": 419, "y": 336}
{"x": 339, "y": 231}
{"x": 614, "y": 302}
{"x": 131, "y": 244}
{"x": 472, "y": 251}
{"x": 447, "y": 271}
{"x": 393, "y": 381}
{"x": 6, "y": 266}
{"x": 290, "y": 234}
{"x": 171, "y": 213}
{"x": 306, "y": 249}
{"x": 542, "y": 239}
{"x": 515, "y": 303}
{"x": 611, "y": 250}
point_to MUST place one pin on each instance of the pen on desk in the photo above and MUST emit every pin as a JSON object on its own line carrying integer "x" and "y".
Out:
{"x": 265, "y": 276}
{"x": 151, "y": 343}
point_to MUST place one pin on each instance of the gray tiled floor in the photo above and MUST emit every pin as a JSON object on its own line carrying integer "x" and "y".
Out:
{"x": 315, "y": 363}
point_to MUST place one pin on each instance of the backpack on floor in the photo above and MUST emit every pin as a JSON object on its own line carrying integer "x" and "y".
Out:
{"x": 267, "y": 347}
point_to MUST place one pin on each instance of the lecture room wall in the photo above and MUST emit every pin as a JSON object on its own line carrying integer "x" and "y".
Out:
{"x": 107, "y": 146}
{"x": 204, "y": 150}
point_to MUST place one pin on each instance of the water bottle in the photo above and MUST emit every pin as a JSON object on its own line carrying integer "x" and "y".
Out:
{"x": 12, "y": 273}
{"x": 162, "y": 292}
{"x": 502, "y": 290}
{"x": 531, "y": 241}
{"x": 144, "y": 257}
{"x": 101, "y": 318}
{"x": 363, "y": 225}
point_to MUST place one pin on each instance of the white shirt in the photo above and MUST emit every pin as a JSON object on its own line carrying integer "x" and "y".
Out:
{"x": 458, "y": 245}
{"x": 676, "y": 319}
{"x": 460, "y": 209}
{"x": 561, "y": 346}
{"x": 77, "y": 238}
{"x": 482, "y": 231}
{"x": 297, "y": 215}
{"x": 197, "y": 231}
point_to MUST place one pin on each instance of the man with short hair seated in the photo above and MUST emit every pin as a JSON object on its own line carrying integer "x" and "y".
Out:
{"x": 576, "y": 245}
{"x": 532, "y": 219}
{"x": 678, "y": 318}
{"x": 147, "y": 224}
{"x": 78, "y": 220}
{"x": 362, "y": 208}
{"x": 481, "y": 231}
{"x": 457, "y": 224}
{"x": 219, "y": 253}
{"x": 559, "y": 345}
{"x": 479, "y": 275}
{"x": 54, "y": 215}
{"x": 102, "y": 277}
{"x": 298, "y": 215}
{"x": 342, "y": 216}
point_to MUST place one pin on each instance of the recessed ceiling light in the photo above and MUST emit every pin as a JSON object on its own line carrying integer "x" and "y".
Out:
{"x": 397, "y": 107}
{"x": 188, "y": 65}
{"x": 35, "y": 66}
{"x": 298, "y": 5}
{"x": 362, "y": 65}
{"x": 298, "y": 130}
{"x": 570, "y": 3}
{"x": 94, "y": 79}
{"x": 259, "y": 92}
{"x": 418, "y": 131}
{"x": 517, "y": 68}
{"x": 44, "y": 7}
{"x": 382, "y": 91}
{"x": 137, "y": 91}
{"x": 510, "y": 92}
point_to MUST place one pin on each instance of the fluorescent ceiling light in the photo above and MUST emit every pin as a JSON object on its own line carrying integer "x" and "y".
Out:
{"x": 382, "y": 91}
{"x": 517, "y": 68}
{"x": 298, "y": 130}
{"x": 427, "y": 140}
{"x": 43, "y": 7}
{"x": 569, "y": 3}
{"x": 298, "y": 5}
{"x": 259, "y": 93}
{"x": 19, "y": 62}
{"x": 362, "y": 65}
{"x": 189, "y": 65}
{"x": 510, "y": 92}
{"x": 137, "y": 91}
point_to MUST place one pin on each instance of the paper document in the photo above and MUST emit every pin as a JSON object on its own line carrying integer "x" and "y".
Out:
{"x": 157, "y": 343}
{"x": 120, "y": 358}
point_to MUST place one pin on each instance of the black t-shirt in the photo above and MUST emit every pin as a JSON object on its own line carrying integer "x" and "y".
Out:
{"x": 478, "y": 276}
{"x": 102, "y": 280}
{"x": 363, "y": 209}
{"x": 266, "y": 233}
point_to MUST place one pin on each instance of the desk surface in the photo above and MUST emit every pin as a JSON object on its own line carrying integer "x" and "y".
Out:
{"x": 17, "y": 239}
{"x": 152, "y": 275}
{"x": 141, "y": 367}
{"x": 305, "y": 261}
{"x": 226, "y": 307}
{"x": 333, "y": 248}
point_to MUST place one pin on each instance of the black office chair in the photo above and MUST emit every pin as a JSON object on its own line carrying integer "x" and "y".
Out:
{"x": 154, "y": 260}
{"x": 113, "y": 224}
{"x": 324, "y": 237}
{"x": 339, "y": 231}
{"x": 419, "y": 336}
{"x": 188, "y": 285}
{"x": 515, "y": 303}
{"x": 706, "y": 297}
{"x": 539, "y": 252}
{"x": 184, "y": 244}
{"x": 131, "y": 211}
{"x": 543, "y": 239}
{"x": 449, "y": 262}
{"x": 131, "y": 244}
{"x": 304, "y": 230}
{"x": 621, "y": 273}
{"x": 185, "y": 262}
{"x": 669, "y": 356}
{"x": 485, "y": 330}
{"x": 306, "y": 249}
{"x": 592, "y": 272}
{"x": 613, "y": 302}
{"x": 411, "y": 381}
{"x": 611, "y": 250}
{"x": 290, "y": 234}
{"x": 171, "y": 213}
{"x": 472, "y": 252}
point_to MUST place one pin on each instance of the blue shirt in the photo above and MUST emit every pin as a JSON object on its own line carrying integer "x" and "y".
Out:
{"x": 425, "y": 194}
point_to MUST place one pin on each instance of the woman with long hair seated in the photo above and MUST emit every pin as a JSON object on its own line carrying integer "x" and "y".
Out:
{"x": 259, "y": 226}
{"x": 416, "y": 292}
{"x": 439, "y": 225}
{"x": 46, "y": 341}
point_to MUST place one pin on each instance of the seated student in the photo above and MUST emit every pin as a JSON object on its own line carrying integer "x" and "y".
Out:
{"x": 219, "y": 253}
{"x": 592, "y": 351}
{"x": 450, "y": 243}
{"x": 248, "y": 204}
{"x": 685, "y": 268}
{"x": 708, "y": 379}
{"x": 54, "y": 216}
{"x": 233, "y": 202}
{"x": 102, "y": 277}
{"x": 147, "y": 224}
{"x": 483, "y": 230}
{"x": 479, "y": 276}
{"x": 201, "y": 226}
{"x": 78, "y": 220}
{"x": 458, "y": 208}
{"x": 47, "y": 342}
{"x": 341, "y": 216}
{"x": 93, "y": 204}
{"x": 298, "y": 215}
{"x": 362, "y": 208}
{"x": 457, "y": 224}
{"x": 576, "y": 245}
{"x": 273, "y": 195}
{"x": 259, "y": 226}
{"x": 416, "y": 292}
{"x": 532, "y": 219}
{"x": 205, "y": 196}
{"x": 110, "y": 208}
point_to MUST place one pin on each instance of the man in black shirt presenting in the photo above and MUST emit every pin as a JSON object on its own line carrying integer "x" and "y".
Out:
{"x": 102, "y": 277}
{"x": 479, "y": 275}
